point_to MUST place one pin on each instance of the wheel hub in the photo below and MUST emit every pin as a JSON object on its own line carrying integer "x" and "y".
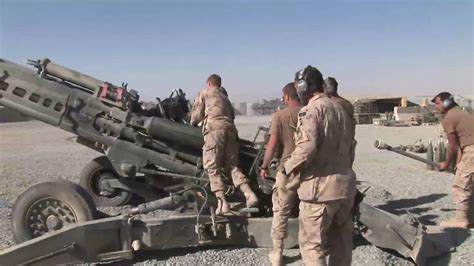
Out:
{"x": 103, "y": 187}
{"x": 53, "y": 223}
{"x": 47, "y": 215}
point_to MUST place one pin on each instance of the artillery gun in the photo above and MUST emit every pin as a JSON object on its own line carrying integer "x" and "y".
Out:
{"x": 143, "y": 148}
{"x": 383, "y": 146}
{"x": 156, "y": 155}
{"x": 429, "y": 162}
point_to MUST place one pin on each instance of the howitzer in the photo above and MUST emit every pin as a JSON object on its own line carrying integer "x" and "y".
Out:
{"x": 141, "y": 146}
{"x": 58, "y": 222}
{"x": 383, "y": 146}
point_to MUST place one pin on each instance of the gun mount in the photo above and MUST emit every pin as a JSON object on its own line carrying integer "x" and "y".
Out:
{"x": 156, "y": 155}
{"x": 71, "y": 230}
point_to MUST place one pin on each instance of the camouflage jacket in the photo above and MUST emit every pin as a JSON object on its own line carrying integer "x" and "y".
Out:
{"x": 213, "y": 109}
{"x": 321, "y": 166}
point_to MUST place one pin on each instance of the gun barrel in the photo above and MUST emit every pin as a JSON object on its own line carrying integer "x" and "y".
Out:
{"x": 167, "y": 203}
{"x": 170, "y": 132}
{"x": 383, "y": 146}
{"x": 46, "y": 67}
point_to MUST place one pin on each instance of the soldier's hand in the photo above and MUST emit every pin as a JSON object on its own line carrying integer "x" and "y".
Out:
{"x": 293, "y": 181}
{"x": 443, "y": 166}
{"x": 264, "y": 173}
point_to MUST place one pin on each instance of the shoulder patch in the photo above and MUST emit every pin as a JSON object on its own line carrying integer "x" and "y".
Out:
{"x": 302, "y": 114}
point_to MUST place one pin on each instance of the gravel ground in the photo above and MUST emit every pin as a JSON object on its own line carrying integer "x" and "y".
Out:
{"x": 33, "y": 152}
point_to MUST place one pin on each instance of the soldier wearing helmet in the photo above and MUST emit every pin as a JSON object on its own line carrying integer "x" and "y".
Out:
{"x": 459, "y": 128}
{"x": 320, "y": 170}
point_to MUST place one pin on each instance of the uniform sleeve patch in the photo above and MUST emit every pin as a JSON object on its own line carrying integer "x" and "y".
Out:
{"x": 302, "y": 114}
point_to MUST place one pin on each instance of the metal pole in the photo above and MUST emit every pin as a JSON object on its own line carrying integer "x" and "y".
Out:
{"x": 383, "y": 146}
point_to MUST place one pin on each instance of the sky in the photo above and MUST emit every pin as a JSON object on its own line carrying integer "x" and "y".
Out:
{"x": 387, "y": 48}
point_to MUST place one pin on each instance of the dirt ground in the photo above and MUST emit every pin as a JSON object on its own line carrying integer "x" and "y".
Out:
{"x": 33, "y": 152}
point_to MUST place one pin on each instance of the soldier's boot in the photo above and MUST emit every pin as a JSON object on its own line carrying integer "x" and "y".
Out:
{"x": 250, "y": 197}
{"x": 222, "y": 205}
{"x": 276, "y": 255}
{"x": 460, "y": 220}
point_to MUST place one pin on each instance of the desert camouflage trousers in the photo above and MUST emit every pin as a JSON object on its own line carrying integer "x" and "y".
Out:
{"x": 221, "y": 154}
{"x": 283, "y": 201}
{"x": 325, "y": 229}
{"x": 463, "y": 184}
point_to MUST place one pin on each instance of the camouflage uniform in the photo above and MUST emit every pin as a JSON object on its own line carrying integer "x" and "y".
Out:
{"x": 221, "y": 147}
{"x": 463, "y": 185}
{"x": 461, "y": 123}
{"x": 322, "y": 173}
{"x": 350, "y": 111}
{"x": 283, "y": 125}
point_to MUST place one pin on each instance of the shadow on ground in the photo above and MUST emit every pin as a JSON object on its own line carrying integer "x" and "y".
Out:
{"x": 404, "y": 206}
{"x": 399, "y": 206}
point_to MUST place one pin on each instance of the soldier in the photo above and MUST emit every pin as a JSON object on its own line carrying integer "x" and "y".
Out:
{"x": 330, "y": 88}
{"x": 320, "y": 169}
{"x": 221, "y": 147}
{"x": 459, "y": 128}
{"x": 281, "y": 138}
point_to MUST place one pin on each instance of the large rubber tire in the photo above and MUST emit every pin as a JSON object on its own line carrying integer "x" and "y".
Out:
{"x": 90, "y": 177}
{"x": 62, "y": 201}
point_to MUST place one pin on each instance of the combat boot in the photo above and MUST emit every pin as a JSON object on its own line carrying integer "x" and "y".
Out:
{"x": 222, "y": 205}
{"x": 460, "y": 220}
{"x": 250, "y": 197}
{"x": 276, "y": 255}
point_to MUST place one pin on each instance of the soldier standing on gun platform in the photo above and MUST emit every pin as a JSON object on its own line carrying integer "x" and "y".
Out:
{"x": 320, "y": 169}
{"x": 282, "y": 130}
{"x": 221, "y": 147}
{"x": 459, "y": 128}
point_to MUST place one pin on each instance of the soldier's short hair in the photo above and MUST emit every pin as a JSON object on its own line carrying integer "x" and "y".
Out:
{"x": 290, "y": 90}
{"x": 215, "y": 80}
{"x": 330, "y": 86}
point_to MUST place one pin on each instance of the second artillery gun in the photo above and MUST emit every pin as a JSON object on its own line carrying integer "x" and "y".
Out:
{"x": 429, "y": 162}
{"x": 155, "y": 155}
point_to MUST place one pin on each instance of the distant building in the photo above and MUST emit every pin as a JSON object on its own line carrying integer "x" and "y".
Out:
{"x": 415, "y": 114}
{"x": 368, "y": 109}
{"x": 393, "y": 110}
{"x": 267, "y": 107}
